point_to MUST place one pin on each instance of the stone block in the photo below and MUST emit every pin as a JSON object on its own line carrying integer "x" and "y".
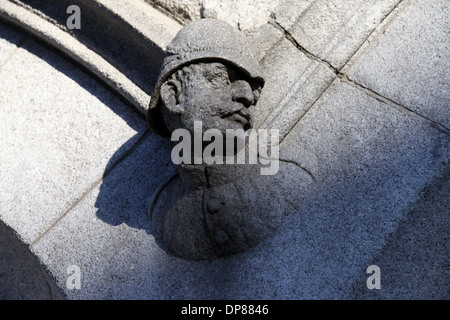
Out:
{"x": 409, "y": 63}
{"x": 246, "y": 15}
{"x": 374, "y": 162}
{"x": 415, "y": 256}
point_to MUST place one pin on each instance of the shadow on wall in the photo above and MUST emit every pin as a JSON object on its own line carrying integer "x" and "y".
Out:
{"x": 22, "y": 277}
{"x": 138, "y": 165}
{"x": 114, "y": 46}
{"x": 127, "y": 184}
{"x": 418, "y": 247}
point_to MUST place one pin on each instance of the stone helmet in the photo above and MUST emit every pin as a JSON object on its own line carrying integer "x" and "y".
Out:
{"x": 202, "y": 41}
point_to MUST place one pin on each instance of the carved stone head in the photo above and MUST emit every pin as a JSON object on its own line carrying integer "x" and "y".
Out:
{"x": 208, "y": 75}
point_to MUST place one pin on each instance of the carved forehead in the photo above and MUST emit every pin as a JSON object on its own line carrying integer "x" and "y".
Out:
{"x": 209, "y": 70}
{"x": 212, "y": 66}
{"x": 215, "y": 68}
{"x": 203, "y": 68}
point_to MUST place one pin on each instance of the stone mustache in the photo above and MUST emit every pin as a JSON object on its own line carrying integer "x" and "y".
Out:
{"x": 207, "y": 211}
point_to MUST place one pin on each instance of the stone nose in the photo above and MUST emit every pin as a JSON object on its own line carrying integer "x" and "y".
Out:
{"x": 242, "y": 93}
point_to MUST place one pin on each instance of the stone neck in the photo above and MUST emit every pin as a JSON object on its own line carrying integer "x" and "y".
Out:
{"x": 202, "y": 176}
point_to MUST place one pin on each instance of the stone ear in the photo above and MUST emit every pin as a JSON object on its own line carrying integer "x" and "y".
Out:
{"x": 170, "y": 92}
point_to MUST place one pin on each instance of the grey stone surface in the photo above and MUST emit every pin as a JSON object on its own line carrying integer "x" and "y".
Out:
{"x": 22, "y": 277}
{"x": 348, "y": 129}
{"x": 111, "y": 41}
{"x": 409, "y": 63}
{"x": 244, "y": 14}
{"x": 108, "y": 233}
{"x": 374, "y": 161}
{"x": 288, "y": 11}
{"x": 57, "y": 137}
{"x": 184, "y": 11}
{"x": 264, "y": 39}
{"x": 332, "y": 30}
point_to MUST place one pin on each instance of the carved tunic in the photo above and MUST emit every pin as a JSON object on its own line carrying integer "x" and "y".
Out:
{"x": 222, "y": 210}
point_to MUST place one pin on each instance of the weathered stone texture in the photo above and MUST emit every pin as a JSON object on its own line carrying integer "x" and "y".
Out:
{"x": 246, "y": 15}
{"x": 409, "y": 63}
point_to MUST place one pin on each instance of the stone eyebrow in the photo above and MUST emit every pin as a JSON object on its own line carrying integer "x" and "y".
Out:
{"x": 217, "y": 70}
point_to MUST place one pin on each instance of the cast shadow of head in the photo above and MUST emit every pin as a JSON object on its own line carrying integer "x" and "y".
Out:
{"x": 131, "y": 177}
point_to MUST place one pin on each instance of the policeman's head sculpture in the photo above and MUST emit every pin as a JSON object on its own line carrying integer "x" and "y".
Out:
{"x": 209, "y": 75}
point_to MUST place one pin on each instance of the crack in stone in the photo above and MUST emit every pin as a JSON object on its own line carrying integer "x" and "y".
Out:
{"x": 372, "y": 93}
{"x": 344, "y": 78}
{"x": 377, "y": 32}
{"x": 291, "y": 39}
{"x": 208, "y": 183}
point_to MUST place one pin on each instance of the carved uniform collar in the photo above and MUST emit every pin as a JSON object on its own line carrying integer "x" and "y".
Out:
{"x": 204, "y": 176}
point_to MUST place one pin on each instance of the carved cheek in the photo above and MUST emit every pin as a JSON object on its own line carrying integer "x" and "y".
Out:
{"x": 220, "y": 100}
{"x": 206, "y": 100}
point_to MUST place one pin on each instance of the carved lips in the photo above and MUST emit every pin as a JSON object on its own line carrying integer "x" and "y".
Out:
{"x": 238, "y": 113}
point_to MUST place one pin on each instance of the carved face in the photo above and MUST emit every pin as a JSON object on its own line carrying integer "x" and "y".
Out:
{"x": 220, "y": 96}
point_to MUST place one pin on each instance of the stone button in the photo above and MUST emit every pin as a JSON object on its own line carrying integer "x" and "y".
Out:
{"x": 221, "y": 237}
{"x": 214, "y": 206}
